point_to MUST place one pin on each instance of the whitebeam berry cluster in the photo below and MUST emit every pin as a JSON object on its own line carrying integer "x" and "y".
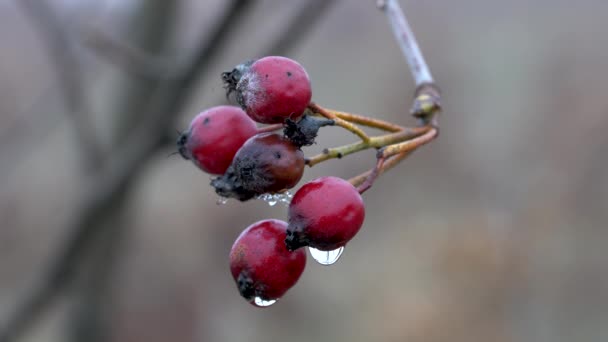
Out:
{"x": 256, "y": 162}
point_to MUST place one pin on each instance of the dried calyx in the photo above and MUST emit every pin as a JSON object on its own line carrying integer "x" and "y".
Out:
{"x": 304, "y": 131}
{"x": 232, "y": 78}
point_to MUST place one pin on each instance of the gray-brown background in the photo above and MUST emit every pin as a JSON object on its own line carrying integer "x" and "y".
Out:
{"x": 494, "y": 232}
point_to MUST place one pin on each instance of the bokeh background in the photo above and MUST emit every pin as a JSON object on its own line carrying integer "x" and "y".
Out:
{"x": 494, "y": 232}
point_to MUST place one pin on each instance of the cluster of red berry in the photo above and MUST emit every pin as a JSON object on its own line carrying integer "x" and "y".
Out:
{"x": 324, "y": 214}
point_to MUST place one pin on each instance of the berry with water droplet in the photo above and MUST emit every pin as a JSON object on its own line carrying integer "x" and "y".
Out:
{"x": 261, "y": 265}
{"x": 324, "y": 214}
{"x": 326, "y": 258}
{"x": 266, "y": 163}
{"x": 214, "y": 137}
{"x": 271, "y": 89}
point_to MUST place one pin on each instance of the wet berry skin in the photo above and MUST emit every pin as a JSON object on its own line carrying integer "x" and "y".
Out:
{"x": 214, "y": 137}
{"x": 324, "y": 214}
{"x": 266, "y": 163}
{"x": 260, "y": 263}
{"x": 273, "y": 89}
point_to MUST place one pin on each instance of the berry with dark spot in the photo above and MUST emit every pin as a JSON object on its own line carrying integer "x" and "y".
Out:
{"x": 260, "y": 263}
{"x": 214, "y": 137}
{"x": 266, "y": 163}
{"x": 324, "y": 214}
{"x": 271, "y": 89}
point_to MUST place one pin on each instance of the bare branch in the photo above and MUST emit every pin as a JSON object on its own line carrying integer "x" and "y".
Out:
{"x": 427, "y": 99}
{"x": 128, "y": 57}
{"x": 407, "y": 41}
{"x": 69, "y": 75}
{"x": 300, "y": 25}
{"x": 118, "y": 176}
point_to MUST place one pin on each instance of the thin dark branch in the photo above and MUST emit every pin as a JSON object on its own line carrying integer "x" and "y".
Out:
{"x": 115, "y": 179}
{"x": 300, "y": 25}
{"x": 69, "y": 75}
{"x": 128, "y": 57}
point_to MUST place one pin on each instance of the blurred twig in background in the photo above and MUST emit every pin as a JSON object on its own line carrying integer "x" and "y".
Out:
{"x": 70, "y": 77}
{"x": 149, "y": 31}
{"x": 126, "y": 56}
{"x": 102, "y": 198}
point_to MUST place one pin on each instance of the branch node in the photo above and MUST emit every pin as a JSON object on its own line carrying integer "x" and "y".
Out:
{"x": 427, "y": 102}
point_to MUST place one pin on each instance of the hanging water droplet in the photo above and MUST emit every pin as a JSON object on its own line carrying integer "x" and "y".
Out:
{"x": 265, "y": 197}
{"x": 326, "y": 257}
{"x": 222, "y": 200}
{"x": 285, "y": 198}
{"x": 273, "y": 199}
{"x": 262, "y": 302}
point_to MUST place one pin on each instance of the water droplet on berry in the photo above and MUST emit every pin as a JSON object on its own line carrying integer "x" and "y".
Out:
{"x": 268, "y": 198}
{"x": 272, "y": 199}
{"x": 326, "y": 257}
{"x": 285, "y": 198}
{"x": 262, "y": 302}
{"x": 222, "y": 200}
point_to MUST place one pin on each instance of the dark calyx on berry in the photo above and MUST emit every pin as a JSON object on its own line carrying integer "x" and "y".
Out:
{"x": 295, "y": 239}
{"x": 304, "y": 131}
{"x": 266, "y": 163}
{"x": 232, "y": 78}
{"x": 245, "y": 285}
{"x": 181, "y": 145}
{"x": 230, "y": 185}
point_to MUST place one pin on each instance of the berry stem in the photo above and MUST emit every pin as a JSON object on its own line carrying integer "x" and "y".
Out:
{"x": 409, "y": 145}
{"x": 374, "y": 142}
{"x": 388, "y": 164}
{"x": 390, "y": 156}
{"x": 339, "y": 121}
{"x": 369, "y": 122}
{"x": 373, "y": 174}
{"x": 270, "y": 128}
{"x": 357, "y": 119}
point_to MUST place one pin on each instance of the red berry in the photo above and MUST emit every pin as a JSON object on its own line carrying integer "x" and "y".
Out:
{"x": 267, "y": 163}
{"x": 215, "y": 136}
{"x": 271, "y": 90}
{"x": 324, "y": 214}
{"x": 260, "y": 263}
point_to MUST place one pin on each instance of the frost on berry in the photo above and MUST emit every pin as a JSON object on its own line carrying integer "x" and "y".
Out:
{"x": 304, "y": 131}
{"x": 271, "y": 89}
{"x": 266, "y": 163}
{"x": 232, "y": 78}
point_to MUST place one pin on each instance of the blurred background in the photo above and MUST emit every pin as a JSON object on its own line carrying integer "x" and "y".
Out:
{"x": 493, "y": 232}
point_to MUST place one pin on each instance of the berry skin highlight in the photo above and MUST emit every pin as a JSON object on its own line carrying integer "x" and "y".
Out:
{"x": 215, "y": 136}
{"x": 260, "y": 263}
{"x": 324, "y": 214}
